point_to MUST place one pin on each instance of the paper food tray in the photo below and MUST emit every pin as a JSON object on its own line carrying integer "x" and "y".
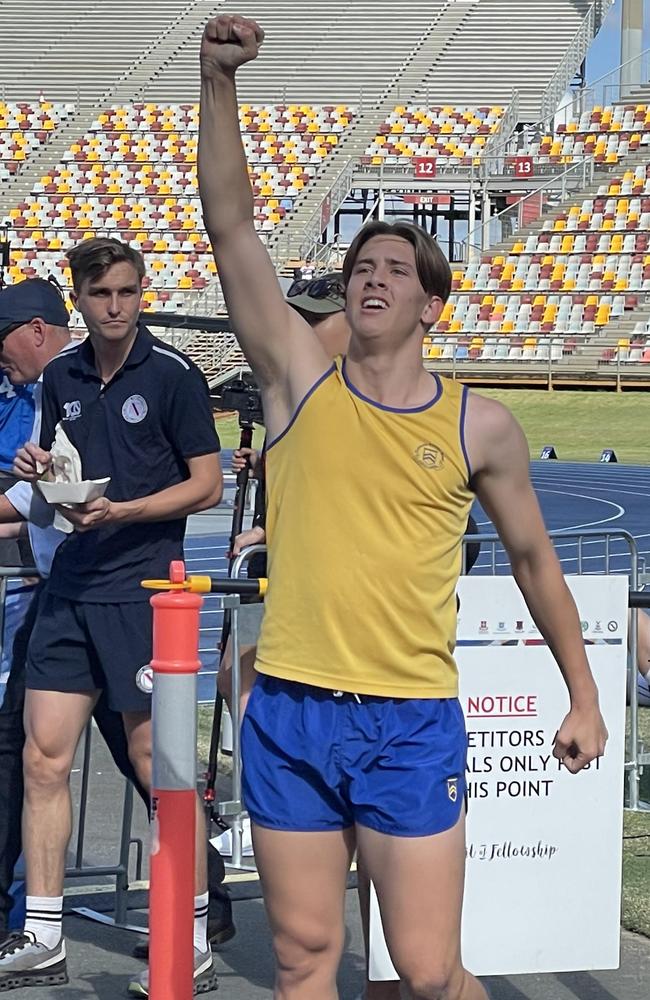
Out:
{"x": 88, "y": 489}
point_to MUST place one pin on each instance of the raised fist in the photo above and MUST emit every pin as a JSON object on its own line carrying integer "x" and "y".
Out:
{"x": 228, "y": 42}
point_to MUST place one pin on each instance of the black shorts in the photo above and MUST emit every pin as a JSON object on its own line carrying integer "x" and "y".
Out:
{"x": 77, "y": 646}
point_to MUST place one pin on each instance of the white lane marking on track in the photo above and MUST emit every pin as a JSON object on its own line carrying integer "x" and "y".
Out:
{"x": 589, "y": 524}
{"x": 540, "y": 483}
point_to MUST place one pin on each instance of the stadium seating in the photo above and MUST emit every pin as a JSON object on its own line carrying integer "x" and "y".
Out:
{"x": 605, "y": 133}
{"x": 456, "y": 134}
{"x": 24, "y": 128}
{"x": 133, "y": 175}
{"x": 586, "y": 265}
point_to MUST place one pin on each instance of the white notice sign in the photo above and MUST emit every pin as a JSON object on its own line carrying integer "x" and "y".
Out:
{"x": 544, "y": 846}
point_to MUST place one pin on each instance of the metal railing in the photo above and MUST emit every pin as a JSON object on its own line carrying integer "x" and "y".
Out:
{"x": 573, "y": 57}
{"x": 530, "y": 208}
{"x": 611, "y": 87}
{"x": 544, "y": 359}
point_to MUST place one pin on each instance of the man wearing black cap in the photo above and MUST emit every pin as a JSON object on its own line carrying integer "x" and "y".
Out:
{"x": 33, "y": 330}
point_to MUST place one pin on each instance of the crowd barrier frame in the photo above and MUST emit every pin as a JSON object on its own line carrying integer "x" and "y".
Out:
{"x": 637, "y": 756}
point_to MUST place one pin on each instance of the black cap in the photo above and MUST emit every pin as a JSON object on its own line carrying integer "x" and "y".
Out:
{"x": 22, "y": 302}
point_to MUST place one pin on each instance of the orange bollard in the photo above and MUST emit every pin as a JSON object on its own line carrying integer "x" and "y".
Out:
{"x": 175, "y": 665}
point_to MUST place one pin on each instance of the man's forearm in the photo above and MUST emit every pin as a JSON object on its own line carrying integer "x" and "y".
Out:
{"x": 554, "y": 612}
{"x": 224, "y": 186}
{"x": 177, "y": 501}
{"x": 8, "y": 513}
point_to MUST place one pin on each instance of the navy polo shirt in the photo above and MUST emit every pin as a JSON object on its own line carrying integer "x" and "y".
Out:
{"x": 139, "y": 429}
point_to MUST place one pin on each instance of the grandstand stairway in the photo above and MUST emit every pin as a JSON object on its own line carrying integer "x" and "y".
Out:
{"x": 498, "y": 54}
{"x": 294, "y": 238}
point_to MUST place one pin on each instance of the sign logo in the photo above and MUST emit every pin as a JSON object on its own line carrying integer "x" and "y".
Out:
{"x": 584, "y": 625}
{"x": 452, "y": 789}
{"x": 134, "y": 409}
{"x": 72, "y": 410}
{"x": 612, "y": 626}
{"x": 144, "y": 679}
{"x": 429, "y": 456}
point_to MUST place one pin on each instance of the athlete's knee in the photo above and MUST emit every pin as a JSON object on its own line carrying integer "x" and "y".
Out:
{"x": 45, "y": 765}
{"x": 303, "y": 953}
{"x": 140, "y": 756}
{"x": 434, "y": 978}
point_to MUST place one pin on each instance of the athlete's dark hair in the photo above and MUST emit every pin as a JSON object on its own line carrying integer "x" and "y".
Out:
{"x": 432, "y": 265}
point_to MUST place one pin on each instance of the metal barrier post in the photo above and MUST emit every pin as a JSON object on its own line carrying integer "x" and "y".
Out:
{"x": 175, "y": 664}
{"x": 233, "y": 808}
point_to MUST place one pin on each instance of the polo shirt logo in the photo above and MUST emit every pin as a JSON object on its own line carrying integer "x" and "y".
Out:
{"x": 134, "y": 409}
{"x": 72, "y": 410}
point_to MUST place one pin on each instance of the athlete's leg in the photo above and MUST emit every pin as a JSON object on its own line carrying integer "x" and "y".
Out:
{"x": 247, "y": 657}
{"x": 111, "y": 727}
{"x": 419, "y": 882}
{"x": 54, "y": 722}
{"x": 303, "y": 877}
{"x": 388, "y": 990}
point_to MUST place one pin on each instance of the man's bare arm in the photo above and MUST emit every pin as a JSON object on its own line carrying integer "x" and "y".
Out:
{"x": 202, "y": 489}
{"x": 9, "y": 515}
{"x": 498, "y": 453}
{"x": 283, "y": 353}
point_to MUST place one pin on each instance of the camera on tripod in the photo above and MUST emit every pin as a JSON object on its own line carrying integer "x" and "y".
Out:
{"x": 241, "y": 395}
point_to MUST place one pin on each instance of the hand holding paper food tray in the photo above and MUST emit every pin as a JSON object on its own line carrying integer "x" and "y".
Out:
{"x": 68, "y": 487}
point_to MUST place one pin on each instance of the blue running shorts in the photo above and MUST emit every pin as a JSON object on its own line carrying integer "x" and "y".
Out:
{"x": 317, "y": 760}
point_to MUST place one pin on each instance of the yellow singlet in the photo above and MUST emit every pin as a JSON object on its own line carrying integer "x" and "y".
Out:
{"x": 367, "y": 507}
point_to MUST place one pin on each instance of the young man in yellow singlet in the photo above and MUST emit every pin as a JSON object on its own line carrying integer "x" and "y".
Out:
{"x": 353, "y": 733}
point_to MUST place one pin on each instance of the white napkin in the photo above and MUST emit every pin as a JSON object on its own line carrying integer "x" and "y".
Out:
{"x": 68, "y": 487}
{"x": 66, "y": 460}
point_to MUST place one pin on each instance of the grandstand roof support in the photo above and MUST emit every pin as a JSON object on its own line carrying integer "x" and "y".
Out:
{"x": 631, "y": 44}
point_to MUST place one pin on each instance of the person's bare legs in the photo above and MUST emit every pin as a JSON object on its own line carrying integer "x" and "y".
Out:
{"x": 247, "y": 657}
{"x": 389, "y": 989}
{"x": 419, "y": 883}
{"x": 137, "y": 726}
{"x": 303, "y": 878}
{"x": 54, "y": 722}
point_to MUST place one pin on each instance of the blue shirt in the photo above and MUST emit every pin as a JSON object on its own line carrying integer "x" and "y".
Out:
{"x": 16, "y": 419}
{"x": 139, "y": 429}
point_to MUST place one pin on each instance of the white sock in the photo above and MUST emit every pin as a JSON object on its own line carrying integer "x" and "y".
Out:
{"x": 201, "y": 922}
{"x": 45, "y": 918}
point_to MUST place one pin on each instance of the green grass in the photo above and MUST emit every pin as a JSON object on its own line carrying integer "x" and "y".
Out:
{"x": 636, "y": 832}
{"x": 581, "y": 424}
{"x": 229, "y": 433}
{"x": 578, "y": 424}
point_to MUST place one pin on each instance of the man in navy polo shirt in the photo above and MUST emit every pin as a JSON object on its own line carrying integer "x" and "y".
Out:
{"x": 137, "y": 411}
